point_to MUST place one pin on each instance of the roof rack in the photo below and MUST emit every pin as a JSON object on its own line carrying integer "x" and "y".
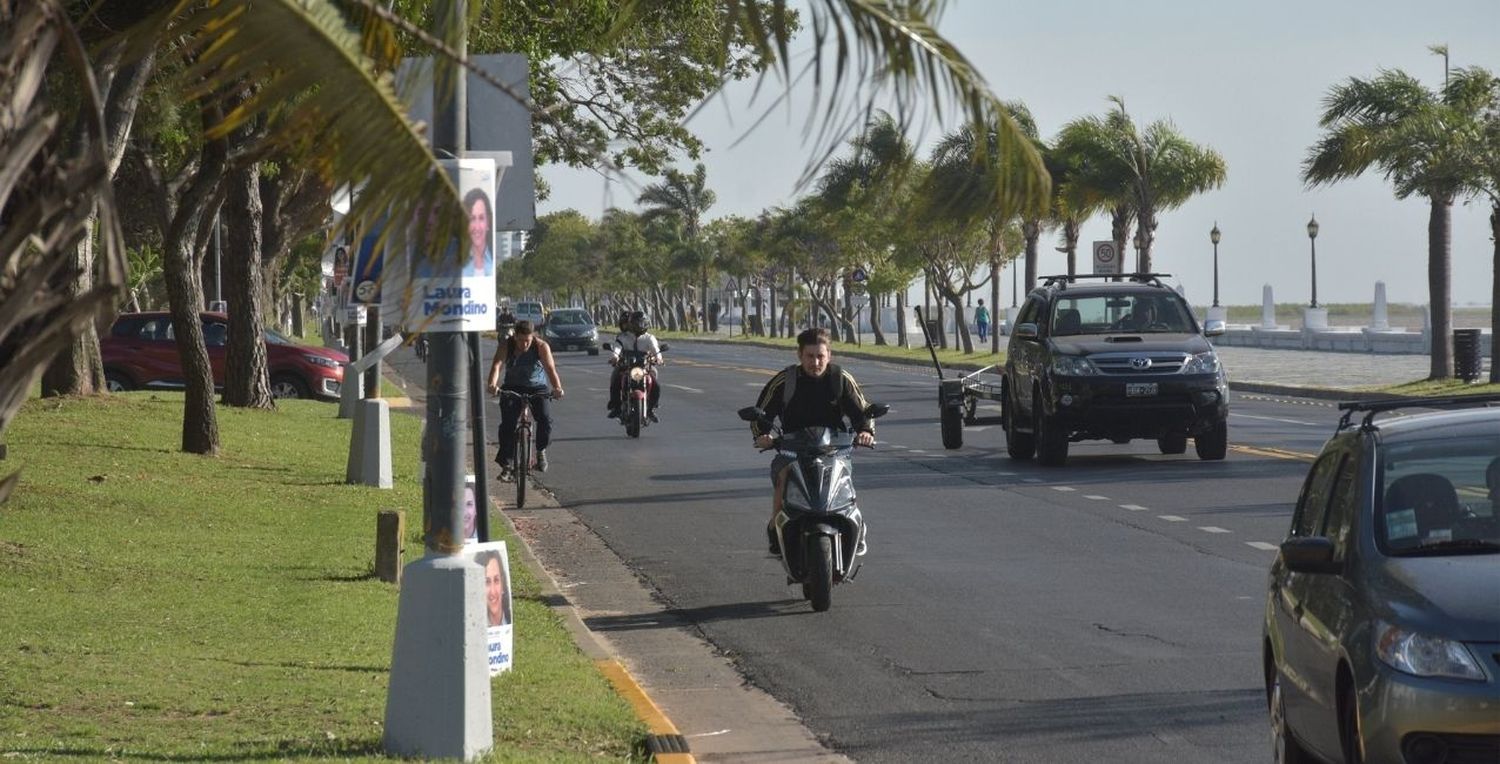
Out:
{"x": 1144, "y": 278}
{"x": 1371, "y": 408}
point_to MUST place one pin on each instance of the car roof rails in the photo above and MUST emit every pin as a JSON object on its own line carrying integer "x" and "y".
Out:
{"x": 1065, "y": 279}
{"x": 1371, "y": 408}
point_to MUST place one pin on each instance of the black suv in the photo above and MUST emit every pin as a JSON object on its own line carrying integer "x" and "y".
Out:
{"x": 1112, "y": 360}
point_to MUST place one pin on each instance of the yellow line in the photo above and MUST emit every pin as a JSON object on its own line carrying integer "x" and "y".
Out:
{"x": 657, "y": 722}
{"x": 1275, "y": 453}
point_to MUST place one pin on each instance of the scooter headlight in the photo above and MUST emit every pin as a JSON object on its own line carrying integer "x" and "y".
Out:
{"x": 637, "y": 374}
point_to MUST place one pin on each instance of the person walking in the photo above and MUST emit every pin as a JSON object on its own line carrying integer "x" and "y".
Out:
{"x": 982, "y": 320}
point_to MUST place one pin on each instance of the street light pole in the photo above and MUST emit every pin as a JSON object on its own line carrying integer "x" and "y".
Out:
{"x": 1214, "y": 237}
{"x": 1312, "y": 241}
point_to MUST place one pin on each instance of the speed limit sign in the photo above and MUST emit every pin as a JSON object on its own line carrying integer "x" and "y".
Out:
{"x": 1106, "y": 257}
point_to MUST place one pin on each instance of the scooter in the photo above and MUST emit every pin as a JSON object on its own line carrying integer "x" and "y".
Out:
{"x": 636, "y": 385}
{"x": 818, "y": 525}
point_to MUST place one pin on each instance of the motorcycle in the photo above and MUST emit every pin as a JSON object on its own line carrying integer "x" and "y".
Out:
{"x": 818, "y": 524}
{"x": 635, "y": 389}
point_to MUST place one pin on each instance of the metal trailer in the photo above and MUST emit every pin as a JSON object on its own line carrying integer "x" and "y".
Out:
{"x": 959, "y": 396}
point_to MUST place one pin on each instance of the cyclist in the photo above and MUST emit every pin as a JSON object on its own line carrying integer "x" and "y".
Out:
{"x": 526, "y": 361}
{"x": 635, "y": 337}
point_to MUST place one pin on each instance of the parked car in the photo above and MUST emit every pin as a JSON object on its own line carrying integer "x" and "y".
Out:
{"x": 1113, "y": 361}
{"x": 572, "y": 329}
{"x": 140, "y": 351}
{"x": 529, "y": 310}
{"x": 1382, "y": 619}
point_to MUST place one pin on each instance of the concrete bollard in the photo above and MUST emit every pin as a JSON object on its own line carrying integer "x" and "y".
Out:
{"x": 370, "y": 446}
{"x": 1267, "y": 308}
{"x": 390, "y": 546}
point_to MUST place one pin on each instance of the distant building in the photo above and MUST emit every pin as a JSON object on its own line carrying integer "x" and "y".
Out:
{"x": 510, "y": 244}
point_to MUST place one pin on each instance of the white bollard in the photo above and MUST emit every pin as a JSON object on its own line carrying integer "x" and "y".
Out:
{"x": 1380, "y": 321}
{"x": 1267, "y": 308}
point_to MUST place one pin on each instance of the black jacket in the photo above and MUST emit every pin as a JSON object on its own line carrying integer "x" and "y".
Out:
{"x": 813, "y": 403}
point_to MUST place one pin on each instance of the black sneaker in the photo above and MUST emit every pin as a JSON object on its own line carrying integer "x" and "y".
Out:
{"x": 651, "y": 415}
{"x": 613, "y": 414}
{"x": 507, "y": 474}
{"x": 541, "y": 461}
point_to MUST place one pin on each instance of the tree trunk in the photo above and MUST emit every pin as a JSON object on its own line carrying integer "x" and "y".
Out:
{"x": 901, "y": 338}
{"x": 1495, "y": 293}
{"x": 874, "y": 307}
{"x": 298, "y": 330}
{"x": 200, "y": 425}
{"x": 372, "y": 339}
{"x": 1440, "y": 285}
{"x": 78, "y": 369}
{"x": 1032, "y": 230}
{"x": 1119, "y": 229}
{"x": 247, "y": 379}
{"x": 1070, "y": 243}
{"x": 961, "y": 326}
{"x": 770, "y": 320}
{"x": 1146, "y": 225}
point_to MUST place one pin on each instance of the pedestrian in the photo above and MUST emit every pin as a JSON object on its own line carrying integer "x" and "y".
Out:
{"x": 713, "y": 315}
{"x": 982, "y": 320}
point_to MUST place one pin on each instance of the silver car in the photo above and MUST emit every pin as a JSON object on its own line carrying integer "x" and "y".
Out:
{"x": 1382, "y": 623}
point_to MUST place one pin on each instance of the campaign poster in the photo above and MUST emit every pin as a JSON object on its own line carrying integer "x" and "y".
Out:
{"x": 456, "y": 293}
{"x": 499, "y": 630}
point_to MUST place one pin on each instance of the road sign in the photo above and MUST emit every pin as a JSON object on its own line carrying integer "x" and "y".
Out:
{"x": 859, "y": 276}
{"x": 1106, "y": 257}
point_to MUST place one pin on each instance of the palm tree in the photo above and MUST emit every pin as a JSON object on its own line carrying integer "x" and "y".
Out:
{"x": 686, "y": 199}
{"x": 1424, "y": 142}
{"x": 1142, "y": 171}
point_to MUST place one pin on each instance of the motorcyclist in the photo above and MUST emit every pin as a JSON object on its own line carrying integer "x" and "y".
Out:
{"x": 505, "y": 323}
{"x": 635, "y": 336}
{"x": 823, "y": 395}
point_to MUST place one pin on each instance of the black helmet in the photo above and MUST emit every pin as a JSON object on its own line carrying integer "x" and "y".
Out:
{"x": 638, "y": 322}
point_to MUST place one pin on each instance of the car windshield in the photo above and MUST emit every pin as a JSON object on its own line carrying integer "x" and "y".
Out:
{"x": 277, "y": 338}
{"x": 1439, "y": 496}
{"x": 1150, "y": 313}
{"x": 570, "y": 318}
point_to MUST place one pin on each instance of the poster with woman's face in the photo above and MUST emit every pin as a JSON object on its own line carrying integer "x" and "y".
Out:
{"x": 493, "y": 558}
{"x": 456, "y": 293}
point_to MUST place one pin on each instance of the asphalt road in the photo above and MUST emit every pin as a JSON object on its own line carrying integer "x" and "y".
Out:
{"x": 1105, "y": 611}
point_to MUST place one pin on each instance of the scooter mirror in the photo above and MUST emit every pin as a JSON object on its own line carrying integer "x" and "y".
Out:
{"x": 665, "y": 347}
{"x": 751, "y": 414}
{"x": 877, "y": 410}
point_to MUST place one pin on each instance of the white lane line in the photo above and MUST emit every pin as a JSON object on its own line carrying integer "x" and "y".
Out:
{"x": 1172, "y": 518}
{"x": 1212, "y": 529}
{"x": 755, "y": 384}
{"x": 892, "y": 445}
{"x": 1063, "y": 488}
{"x": 1133, "y": 507}
{"x": 1262, "y": 545}
{"x": 684, "y": 387}
{"x": 1276, "y": 419}
{"x": 978, "y": 428}
{"x": 1096, "y": 497}
{"x": 918, "y": 451}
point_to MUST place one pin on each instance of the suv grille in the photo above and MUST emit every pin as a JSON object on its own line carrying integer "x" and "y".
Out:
{"x": 1139, "y": 363}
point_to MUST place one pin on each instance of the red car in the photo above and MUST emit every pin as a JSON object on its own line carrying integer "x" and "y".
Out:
{"x": 141, "y": 352}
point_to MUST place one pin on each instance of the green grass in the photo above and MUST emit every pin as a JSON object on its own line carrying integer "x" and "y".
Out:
{"x": 954, "y": 358}
{"x": 162, "y": 606}
{"x": 1430, "y": 388}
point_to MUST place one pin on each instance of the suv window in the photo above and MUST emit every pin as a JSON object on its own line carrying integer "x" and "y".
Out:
{"x": 1313, "y": 503}
{"x": 1152, "y": 311}
{"x": 1342, "y": 506}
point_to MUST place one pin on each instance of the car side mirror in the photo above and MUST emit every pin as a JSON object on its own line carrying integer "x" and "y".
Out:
{"x": 877, "y": 410}
{"x": 1026, "y": 331}
{"x": 1213, "y": 328}
{"x": 751, "y": 414}
{"x": 1309, "y": 554}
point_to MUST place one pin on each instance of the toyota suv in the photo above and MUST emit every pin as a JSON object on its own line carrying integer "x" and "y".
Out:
{"x": 1112, "y": 360}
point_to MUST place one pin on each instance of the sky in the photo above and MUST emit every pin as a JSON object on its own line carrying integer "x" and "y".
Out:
{"x": 1245, "y": 78}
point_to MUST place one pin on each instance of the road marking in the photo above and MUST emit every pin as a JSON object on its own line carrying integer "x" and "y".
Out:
{"x": 1277, "y": 419}
{"x": 893, "y": 445}
{"x": 1063, "y": 488}
{"x": 1133, "y": 507}
{"x": 1212, "y": 529}
{"x": 918, "y": 451}
{"x": 1172, "y": 518}
{"x": 978, "y": 428}
{"x": 1096, "y": 497}
{"x": 1275, "y": 453}
{"x": 684, "y": 387}
{"x": 1262, "y": 545}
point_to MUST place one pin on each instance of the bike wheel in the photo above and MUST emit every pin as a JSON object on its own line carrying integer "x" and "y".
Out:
{"x": 819, "y": 584}
{"x": 523, "y": 465}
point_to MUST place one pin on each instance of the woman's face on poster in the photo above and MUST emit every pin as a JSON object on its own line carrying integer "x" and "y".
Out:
{"x": 479, "y": 226}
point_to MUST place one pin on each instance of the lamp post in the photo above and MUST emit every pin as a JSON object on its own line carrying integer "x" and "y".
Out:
{"x": 1312, "y": 241}
{"x": 1213, "y": 236}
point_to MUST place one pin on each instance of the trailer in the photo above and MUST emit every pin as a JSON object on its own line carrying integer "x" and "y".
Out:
{"x": 959, "y": 396}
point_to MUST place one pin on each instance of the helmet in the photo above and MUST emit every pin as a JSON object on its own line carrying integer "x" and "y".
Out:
{"x": 638, "y": 322}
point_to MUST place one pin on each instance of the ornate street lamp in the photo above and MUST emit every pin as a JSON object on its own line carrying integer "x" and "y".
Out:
{"x": 1312, "y": 241}
{"x": 1213, "y": 236}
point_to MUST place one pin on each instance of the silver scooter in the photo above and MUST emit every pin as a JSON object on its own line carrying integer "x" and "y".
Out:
{"x": 818, "y": 525}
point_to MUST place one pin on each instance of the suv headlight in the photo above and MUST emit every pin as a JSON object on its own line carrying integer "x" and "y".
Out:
{"x": 1073, "y": 366}
{"x": 318, "y": 360}
{"x": 1424, "y": 655}
{"x": 1202, "y": 363}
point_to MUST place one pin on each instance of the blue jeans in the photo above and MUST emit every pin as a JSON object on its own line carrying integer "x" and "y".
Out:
{"x": 984, "y": 330}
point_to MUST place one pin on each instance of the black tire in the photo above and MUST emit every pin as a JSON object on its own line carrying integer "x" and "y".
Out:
{"x": 819, "y": 584}
{"x": 635, "y": 418}
{"x": 288, "y": 386}
{"x": 953, "y": 427}
{"x": 1213, "y": 444}
{"x": 116, "y": 382}
{"x": 1019, "y": 445}
{"x": 1284, "y": 746}
{"x": 1051, "y": 442}
{"x": 523, "y": 468}
{"x": 1175, "y": 443}
{"x": 1349, "y": 734}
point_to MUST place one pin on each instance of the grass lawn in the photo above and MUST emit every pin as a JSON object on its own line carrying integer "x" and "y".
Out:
{"x": 1428, "y": 388}
{"x": 161, "y": 606}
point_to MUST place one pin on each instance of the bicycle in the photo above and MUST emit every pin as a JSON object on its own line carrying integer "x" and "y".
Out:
{"x": 521, "y": 457}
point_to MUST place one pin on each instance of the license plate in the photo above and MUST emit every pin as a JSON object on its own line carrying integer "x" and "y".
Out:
{"x": 1140, "y": 389}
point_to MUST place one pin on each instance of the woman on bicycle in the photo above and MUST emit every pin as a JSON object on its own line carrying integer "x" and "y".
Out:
{"x": 526, "y": 361}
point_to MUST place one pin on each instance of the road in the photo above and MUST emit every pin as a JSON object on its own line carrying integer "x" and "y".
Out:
{"x": 1106, "y": 611}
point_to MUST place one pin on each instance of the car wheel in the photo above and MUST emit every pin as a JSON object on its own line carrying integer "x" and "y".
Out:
{"x": 287, "y": 386}
{"x": 1019, "y": 445}
{"x": 952, "y": 421}
{"x": 1175, "y": 443}
{"x": 116, "y": 382}
{"x": 1349, "y": 733}
{"x": 1213, "y": 444}
{"x": 1051, "y": 441}
{"x": 1284, "y": 747}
